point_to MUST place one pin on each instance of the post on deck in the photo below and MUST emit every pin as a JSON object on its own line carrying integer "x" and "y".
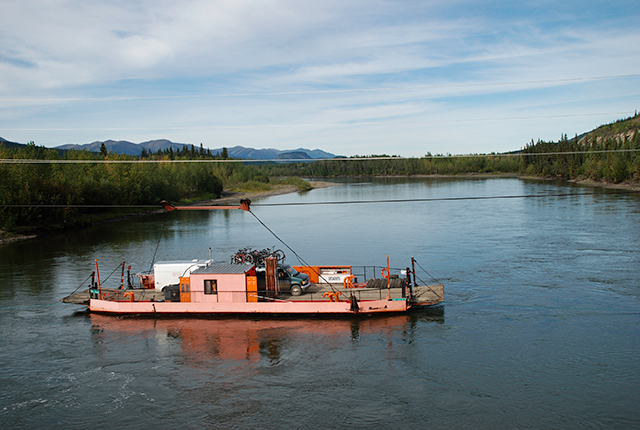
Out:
{"x": 271, "y": 279}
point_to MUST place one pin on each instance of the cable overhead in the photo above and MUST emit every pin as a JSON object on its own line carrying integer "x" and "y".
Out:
{"x": 41, "y": 161}
{"x": 81, "y": 206}
{"x": 417, "y": 200}
{"x": 300, "y": 259}
{"x": 432, "y": 157}
{"x": 277, "y": 237}
{"x": 440, "y": 199}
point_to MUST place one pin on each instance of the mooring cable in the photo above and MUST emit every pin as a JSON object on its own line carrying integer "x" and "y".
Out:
{"x": 281, "y": 241}
{"x": 425, "y": 271}
{"x": 153, "y": 260}
{"x": 114, "y": 271}
{"x": 346, "y": 202}
{"x": 300, "y": 259}
{"x": 439, "y": 199}
{"x": 81, "y": 284}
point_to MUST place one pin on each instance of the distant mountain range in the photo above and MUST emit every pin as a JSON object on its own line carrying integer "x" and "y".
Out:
{"x": 11, "y": 145}
{"x": 125, "y": 147}
{"x": 239, "y": 152}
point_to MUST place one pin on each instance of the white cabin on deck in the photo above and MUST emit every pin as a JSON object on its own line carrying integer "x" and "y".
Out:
{"x": 168, "y": 272}
{"x": 224, "y": 283}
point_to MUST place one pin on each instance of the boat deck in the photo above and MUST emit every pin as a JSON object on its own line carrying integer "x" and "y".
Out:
{"x": 82, "y": 297}
{"x": 426, "y": 295}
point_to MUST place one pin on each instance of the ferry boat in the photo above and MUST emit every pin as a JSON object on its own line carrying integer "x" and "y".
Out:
{"x": 267, "y": 286}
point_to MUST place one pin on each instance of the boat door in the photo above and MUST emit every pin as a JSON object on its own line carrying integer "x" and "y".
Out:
{"x": 185, "y": 289}
{"x": 284, "y": 281}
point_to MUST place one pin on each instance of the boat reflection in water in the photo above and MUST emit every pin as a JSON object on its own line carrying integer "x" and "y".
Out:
{"x": 203, "y": 339}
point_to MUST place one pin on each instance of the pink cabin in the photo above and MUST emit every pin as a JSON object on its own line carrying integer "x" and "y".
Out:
{"x": 223, "y": 283}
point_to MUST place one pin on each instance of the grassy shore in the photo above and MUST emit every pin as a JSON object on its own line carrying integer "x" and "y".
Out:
{"x": 627, "y": 186}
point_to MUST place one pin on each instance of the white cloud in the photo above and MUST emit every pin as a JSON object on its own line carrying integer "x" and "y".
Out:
{"x": 450, "y": 58}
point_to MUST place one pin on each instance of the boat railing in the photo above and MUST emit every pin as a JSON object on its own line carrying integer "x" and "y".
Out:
{"x": 322, "y": 293}
{"x": 364, "y": 273}
{"x": 344, "y": 294}
{"x": 333, "y": 293}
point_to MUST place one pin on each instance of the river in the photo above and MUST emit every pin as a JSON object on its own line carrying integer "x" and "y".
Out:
{"x": 540, "y": 327}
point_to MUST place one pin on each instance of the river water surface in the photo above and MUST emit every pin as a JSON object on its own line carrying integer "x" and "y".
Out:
{"x": 540, "y": 326}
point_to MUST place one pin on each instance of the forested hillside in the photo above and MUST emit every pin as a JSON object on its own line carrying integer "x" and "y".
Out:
{"x": 90, "y": 184}
{"x": 609, "y": 153}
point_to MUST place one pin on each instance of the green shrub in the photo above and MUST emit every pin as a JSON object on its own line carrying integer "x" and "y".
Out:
{"x": 254, "y": 186}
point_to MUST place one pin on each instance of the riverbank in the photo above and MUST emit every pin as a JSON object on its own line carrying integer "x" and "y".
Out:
{"x": 227, "y": 197}
{"x": 13, "y": 237}
{"x": 626, "y": 186}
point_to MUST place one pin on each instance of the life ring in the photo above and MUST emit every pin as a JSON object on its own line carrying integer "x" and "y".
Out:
{"x": 130, "y": 295}
{"x": 333, "y": 297}
{"x": 348, "y": 282}
{"x": 385, "y": 273}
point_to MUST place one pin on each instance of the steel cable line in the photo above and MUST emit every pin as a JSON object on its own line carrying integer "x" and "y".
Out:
{"x": 347, "y": 202}
{"x": 425, "y": 271}
{"x": 300, "y": 259}
{"x": 277, "y": 237}
{"x": 80, "y": 206}
{"x": 429, "y": 157}
{"x": 81, "y": 284}
{"x": 436, "y": 199}
{"x": 114, "y": 271}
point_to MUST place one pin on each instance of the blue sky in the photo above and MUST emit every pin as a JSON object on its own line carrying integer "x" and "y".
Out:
{"x": 348, "y": 77}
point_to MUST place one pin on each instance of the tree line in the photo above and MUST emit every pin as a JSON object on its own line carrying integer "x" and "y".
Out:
{"x": 614, "y": 158}
{"x": 186, "y": 153}
{"x": 26, "y": 187}
{"x": 336, "y": 168}
{"x": 610, "y": 153}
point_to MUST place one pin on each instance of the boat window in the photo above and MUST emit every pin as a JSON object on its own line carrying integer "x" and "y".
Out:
{"x": 211, "y": 286}
{"x": 291, "y": 270}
